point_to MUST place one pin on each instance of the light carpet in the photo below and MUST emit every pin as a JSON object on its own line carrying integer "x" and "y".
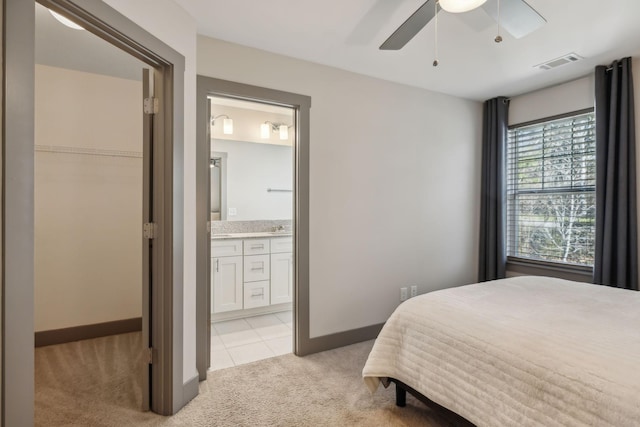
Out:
{"x": 97, "y": 382}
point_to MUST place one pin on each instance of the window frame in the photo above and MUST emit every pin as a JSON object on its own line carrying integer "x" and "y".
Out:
{"x": 518, "y": 265}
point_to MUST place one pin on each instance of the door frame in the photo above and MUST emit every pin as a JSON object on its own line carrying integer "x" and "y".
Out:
{"x": 166, "y": 322}
{"x": 301, "y": 104}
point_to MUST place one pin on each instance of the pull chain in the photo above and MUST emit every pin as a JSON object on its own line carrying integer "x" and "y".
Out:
{"x": 498, "y": 38}
{"x": 435, "y": 61}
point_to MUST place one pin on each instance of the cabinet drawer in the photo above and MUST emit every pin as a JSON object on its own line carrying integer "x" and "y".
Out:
{"x": 256, "y": 267}
{"x": 281, "y": 245}
{"x": 256, "y": 294}
{"x": 256, "y": 246}
{"x": 226, "y": 248}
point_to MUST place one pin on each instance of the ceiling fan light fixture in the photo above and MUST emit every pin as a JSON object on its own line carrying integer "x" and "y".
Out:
{"x": 459, "y": 6}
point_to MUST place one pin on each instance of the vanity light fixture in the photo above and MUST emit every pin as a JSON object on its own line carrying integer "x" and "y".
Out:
{"x": 227, "y": 124}
{"x": 284, "y": 131}
{"x": 265, "y": 130}
{"x": 65, "y": 21}
{"x": 459, "y": 6}
{"x": 267, "y": 127}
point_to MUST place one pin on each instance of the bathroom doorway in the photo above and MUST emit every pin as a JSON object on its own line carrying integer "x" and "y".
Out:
{"x": 252, "y": 193}
{"x": 252, "y": 216}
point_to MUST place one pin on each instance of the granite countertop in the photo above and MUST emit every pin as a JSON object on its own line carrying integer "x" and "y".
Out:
{"x": 253, "y": 235}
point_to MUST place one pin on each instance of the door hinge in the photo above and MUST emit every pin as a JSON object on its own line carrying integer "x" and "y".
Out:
{"x": 149, "y": 230}
{"x": 150, "y": 358}
{"x": 151, "y": 105}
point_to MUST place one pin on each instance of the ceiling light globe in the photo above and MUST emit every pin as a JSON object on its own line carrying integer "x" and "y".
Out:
{"x": 66, "y": 21}
{"x": 459, "y": 6}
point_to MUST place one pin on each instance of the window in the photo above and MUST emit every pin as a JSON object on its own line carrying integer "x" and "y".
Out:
{"x": 551, "y": 180}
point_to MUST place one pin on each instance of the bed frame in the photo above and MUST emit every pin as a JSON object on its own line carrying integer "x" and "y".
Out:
{"x": 401, "y": 401}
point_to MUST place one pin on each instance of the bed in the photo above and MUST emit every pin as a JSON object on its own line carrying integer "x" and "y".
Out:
{"x": 523, "y": 351}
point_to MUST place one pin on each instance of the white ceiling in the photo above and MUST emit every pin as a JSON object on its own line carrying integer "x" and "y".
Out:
{"x": 346, "y": 34}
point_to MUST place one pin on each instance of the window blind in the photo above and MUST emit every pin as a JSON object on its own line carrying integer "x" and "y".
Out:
{"x": 551, "y": 178}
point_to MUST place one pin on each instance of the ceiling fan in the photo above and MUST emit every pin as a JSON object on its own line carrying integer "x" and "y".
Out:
{"x": 514, "y": 16}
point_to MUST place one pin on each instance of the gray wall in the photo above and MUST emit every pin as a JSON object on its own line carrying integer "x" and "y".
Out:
{"x": 394, "y": 183}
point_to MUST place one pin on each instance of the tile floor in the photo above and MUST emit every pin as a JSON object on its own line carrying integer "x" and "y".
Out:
{"x": 234, "y": 342}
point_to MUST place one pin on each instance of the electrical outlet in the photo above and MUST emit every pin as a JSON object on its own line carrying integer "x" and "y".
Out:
{"x": 414, "y": 291}
{"x": 403, "y": 294}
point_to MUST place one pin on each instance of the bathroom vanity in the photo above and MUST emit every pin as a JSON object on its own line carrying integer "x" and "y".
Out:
{"x": 251, "y": 273}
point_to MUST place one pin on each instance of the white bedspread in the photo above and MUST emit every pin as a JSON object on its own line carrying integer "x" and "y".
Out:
{"x": 525, "y": 351}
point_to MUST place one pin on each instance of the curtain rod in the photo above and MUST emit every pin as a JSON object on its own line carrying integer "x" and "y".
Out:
{"x": 611, "y": 68}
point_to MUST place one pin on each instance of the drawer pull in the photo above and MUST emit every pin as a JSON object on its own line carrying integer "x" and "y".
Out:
{"x": 257, "y": 246}
{"x": 257, "y": 268}
{"x": 257, "y": 293}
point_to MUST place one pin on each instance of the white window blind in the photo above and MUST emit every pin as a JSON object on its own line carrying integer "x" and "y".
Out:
{"x": 551, "y": 179}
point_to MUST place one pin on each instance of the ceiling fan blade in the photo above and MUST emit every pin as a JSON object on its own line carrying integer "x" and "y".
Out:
{"x": 516, "y": 16}
{"x": 410, "y": 27}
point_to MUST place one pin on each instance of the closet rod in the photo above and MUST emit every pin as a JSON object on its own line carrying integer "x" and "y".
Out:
{"x": 88, "y": 151}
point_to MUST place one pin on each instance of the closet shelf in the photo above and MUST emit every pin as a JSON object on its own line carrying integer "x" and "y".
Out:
{"x": 87, "y": 151}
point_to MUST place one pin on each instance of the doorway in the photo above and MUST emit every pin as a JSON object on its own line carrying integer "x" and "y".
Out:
{"x": 219, "y": 257}
{"x": 252, "y": 217}
{"x": 89, "y": 192}
{"x": 164, "y": 127}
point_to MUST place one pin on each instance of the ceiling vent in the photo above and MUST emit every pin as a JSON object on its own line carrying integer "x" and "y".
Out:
{"x": 554, "y": 63}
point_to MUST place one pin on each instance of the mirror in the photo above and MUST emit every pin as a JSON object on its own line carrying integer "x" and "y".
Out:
{"x": 218, "y": 165}
{"x": 252, "y": 167}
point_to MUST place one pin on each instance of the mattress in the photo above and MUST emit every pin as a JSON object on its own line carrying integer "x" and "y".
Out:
{"x": 524, "y": 351}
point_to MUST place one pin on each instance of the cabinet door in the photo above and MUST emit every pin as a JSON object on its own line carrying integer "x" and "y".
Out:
{"x": 227, "y": 283}
{"x": 281, "y": 278}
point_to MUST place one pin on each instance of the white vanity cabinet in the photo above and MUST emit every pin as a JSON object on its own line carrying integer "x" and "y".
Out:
{"x": 226, "y": 274}
{"x": 251, "y": 273}
{"x": 281, "y": 270}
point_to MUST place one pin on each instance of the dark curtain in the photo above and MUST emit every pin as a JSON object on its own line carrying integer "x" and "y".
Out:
{"x": 616, "y": 254}
{"x": 492, "y": 261}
